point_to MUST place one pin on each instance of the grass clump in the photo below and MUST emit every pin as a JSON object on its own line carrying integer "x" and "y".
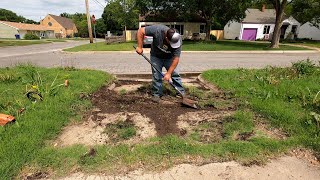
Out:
{"x": 239, "y": 123}
{"x": 122, "y": 130}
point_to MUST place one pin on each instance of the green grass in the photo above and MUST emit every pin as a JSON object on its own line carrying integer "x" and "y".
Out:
{"x": 22, "y": 141}
{"x": 102, "y": 46}
{"x": 231, "y": 46}
{"x": 165, "y": 151}
{"x": 286, "y": 97}
{"x": 4, "y": 43}
{"x": 310, "y": 43}
{"x": 187, "y": 46}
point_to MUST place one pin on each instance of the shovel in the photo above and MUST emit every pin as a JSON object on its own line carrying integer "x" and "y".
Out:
{"x": 185, "y": 101}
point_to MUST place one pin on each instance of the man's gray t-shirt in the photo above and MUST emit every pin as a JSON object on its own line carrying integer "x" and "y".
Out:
{"x": 158, "y": 48}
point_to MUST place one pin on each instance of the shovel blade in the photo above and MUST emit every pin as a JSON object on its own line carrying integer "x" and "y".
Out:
{"x": 189, "y": 103}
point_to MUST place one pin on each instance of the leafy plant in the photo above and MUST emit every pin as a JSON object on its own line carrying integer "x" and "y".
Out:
{"x": 304, "y": 67}
{"x": 30, "y": 36}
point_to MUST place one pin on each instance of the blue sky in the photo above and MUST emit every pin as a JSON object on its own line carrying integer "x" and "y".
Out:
{"x": 38, "y": 9}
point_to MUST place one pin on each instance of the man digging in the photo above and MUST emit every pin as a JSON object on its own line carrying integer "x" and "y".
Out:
{"x": 165, "y": 52}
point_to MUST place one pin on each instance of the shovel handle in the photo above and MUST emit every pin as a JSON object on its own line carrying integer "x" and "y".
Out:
{"x": 170, "y": 82}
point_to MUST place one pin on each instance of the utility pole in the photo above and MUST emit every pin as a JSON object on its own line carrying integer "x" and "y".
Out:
{"x": 89, "y": 22}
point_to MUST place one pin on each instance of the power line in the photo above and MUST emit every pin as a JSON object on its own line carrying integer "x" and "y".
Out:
{"x": 97, "y": 2}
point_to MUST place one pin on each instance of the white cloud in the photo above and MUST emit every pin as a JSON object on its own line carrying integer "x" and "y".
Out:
{"x": 37, "y": 9}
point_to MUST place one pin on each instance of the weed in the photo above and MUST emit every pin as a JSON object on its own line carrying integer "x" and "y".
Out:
{"x": 122, "y": 130}
{"x": 304, "y": 67}
{"x": 123, "y": 92}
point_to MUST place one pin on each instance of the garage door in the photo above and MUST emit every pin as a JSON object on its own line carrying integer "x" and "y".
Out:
{"x": 249, "y": 34}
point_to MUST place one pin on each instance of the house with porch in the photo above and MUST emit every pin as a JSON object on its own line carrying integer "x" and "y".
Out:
{"x": 14, "y": 30}
{"x": 259, "y": 24}
{"x": 63, "y": 27}
{"x": 193, "y": 28}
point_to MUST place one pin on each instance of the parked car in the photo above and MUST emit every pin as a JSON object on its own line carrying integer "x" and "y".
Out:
{"x": 147, "y": 41}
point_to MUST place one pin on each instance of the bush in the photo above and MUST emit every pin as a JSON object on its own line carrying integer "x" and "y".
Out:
{"x": 304, "y": 67}
{"x": 213, "y": 37}
{"x": 30, "y": 36}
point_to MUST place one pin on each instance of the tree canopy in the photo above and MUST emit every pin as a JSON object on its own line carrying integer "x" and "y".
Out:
{"x": 7, "y": 15}
{"x": 307, "y": 11}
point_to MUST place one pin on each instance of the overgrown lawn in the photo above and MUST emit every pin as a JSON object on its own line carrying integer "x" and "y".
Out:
{"x": 40, "y": 119}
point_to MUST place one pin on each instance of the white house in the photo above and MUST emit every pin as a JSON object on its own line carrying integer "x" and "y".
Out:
{"x": 14, "y": 30}
{"x": 188, "y": 30}
{"x": 259, "y": 24}
{"x": 309, "y": 31}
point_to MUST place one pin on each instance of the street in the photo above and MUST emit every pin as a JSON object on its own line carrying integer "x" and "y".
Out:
{"x": 50, "y": 55}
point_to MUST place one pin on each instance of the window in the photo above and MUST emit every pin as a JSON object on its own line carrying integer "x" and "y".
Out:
{"x": 202, "y": 28}
{"x": 266, "y": 30}
{"x": 49, "y": 23}
{"x": 179, "y": 28}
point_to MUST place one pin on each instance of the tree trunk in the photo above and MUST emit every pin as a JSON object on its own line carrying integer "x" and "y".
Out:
{"x": 277, "y": 29}
{"x": 208, "y": 29}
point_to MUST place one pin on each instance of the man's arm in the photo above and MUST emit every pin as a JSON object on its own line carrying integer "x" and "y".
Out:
{"x": 175, "y": 62}
{"x": 140, "y": 35}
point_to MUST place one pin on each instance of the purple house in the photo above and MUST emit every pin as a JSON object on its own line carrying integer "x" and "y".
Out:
{"x": 259, "y": 24}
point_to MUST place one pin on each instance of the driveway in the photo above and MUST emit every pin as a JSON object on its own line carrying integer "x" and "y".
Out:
{"x": 131, "y": 63}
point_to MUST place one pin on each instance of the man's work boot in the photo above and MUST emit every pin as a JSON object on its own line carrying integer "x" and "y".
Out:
{"x": 156, "y": 99}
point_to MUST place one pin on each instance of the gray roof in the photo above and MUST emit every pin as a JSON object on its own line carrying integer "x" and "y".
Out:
{"x": 257, "y": 16}
{"x": 64, "y": 22}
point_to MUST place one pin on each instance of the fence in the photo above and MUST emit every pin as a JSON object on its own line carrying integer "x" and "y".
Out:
{"x": 114, "y": 39}
{"x": 131, "y": 35}
{"x": 218, "y": 33}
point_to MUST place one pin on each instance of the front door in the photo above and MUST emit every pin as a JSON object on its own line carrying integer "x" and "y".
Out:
{"x": 249, "y": 34}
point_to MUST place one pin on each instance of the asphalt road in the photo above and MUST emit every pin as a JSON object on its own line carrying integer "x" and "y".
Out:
{"x": 49, "y": 55}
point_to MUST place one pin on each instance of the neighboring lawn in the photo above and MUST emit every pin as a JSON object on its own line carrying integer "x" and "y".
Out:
{"x": 232, "y": 46}
{"x": 303, "y": 42}
{"x": 187, "y": 46}
{"x": 22, "y": 141}
{"x": 101, "y": 46}
{"x": 4, "y": 43}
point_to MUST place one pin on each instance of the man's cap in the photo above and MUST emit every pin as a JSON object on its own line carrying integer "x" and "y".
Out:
{"x": 174, "y": 38}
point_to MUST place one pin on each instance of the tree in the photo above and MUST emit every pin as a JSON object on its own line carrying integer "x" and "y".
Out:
{"x": 279, "y": 6}
{"x": 119, "y": 14}
{"x": 212, "y": 11}
{"x": 307, "y": 11}
{"x": 7, "y": 15}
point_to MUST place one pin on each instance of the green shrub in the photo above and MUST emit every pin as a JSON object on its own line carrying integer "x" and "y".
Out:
{"x": 213, "y": 37}
{"x": 30, "y": 36}
{"x": 304, "y": 67}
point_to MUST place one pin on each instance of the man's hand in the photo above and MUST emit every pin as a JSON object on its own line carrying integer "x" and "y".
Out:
{"x": 167, "y": 77}
{"x": 139, "y": 50}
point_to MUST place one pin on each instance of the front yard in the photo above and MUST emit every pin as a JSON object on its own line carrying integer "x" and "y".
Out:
{"x": 187, "y": 46}
{"x": 252, "y": 116}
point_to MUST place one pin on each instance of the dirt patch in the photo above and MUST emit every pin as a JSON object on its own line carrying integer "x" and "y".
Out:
{"x": 164, "y": 114}
{"x": 265, "y": 129}
{"x": 93, "y": 131}
{"x": 203, "y": 126}
{"x": 308, "y": 155}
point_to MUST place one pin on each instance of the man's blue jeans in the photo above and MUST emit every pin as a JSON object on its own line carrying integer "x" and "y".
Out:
{"x": 157, "y": 77}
